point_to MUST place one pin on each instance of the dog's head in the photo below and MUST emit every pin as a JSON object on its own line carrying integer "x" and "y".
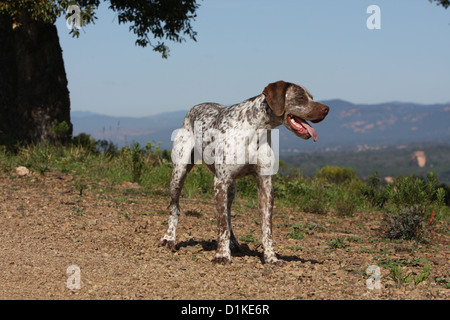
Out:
{"x": 295, "y": 104}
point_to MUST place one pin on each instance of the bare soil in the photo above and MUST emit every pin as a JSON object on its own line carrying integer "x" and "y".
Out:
{"x": 112, "y": 235}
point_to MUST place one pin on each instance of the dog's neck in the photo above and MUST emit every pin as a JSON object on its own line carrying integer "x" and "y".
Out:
{"x": 258, "y": 114}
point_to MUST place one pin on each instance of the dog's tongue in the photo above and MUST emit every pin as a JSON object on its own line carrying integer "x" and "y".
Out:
{"x": 311, "y": 131}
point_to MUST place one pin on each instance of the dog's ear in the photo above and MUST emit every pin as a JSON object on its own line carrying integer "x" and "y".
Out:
{"x": 275, "y": 96}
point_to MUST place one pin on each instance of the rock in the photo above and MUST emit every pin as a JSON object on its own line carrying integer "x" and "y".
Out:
{"x": 91, "y": 222}
{"x": 22, "y": 171}
{"x": 389, "y": 179}
{"x": 419, "y": 158}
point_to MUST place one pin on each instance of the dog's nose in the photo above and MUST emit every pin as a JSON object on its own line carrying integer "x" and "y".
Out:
{"x": 325, "y": 110}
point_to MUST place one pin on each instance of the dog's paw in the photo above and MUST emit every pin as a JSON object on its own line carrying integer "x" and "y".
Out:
{"x": 169, "y": 244}
{"x": 274, "y": 261}
{"x": 221, "y": 260}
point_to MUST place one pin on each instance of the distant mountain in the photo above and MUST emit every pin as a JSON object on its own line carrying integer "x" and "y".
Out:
{"x": 347, "y": 126}
{"x": 125, "y": 131}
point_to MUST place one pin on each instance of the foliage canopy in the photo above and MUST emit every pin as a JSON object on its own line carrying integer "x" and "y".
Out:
{"x": 164, "y": 19}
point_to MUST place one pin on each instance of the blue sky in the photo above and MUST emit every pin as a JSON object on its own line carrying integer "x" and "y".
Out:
{"x": 242, "y": 45}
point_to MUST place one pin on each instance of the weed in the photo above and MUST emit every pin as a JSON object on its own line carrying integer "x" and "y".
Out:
{"x": 313, "y": 199}
{"x": 397, "y": 275}
{"x": 411, "y": 191}
{"x": 389, "y": 263}
{"x": 137, "y": 162}
{"x": 337, "y": 243}
{"x": 408, "y": 224}
{"x": 422, "y": 276}
{"x": 249, "y": 238}
{"x": 354, "y": 239}
{"x": 346, "y": 205}
{"x": 374, "y": 193}
{"x": 297, "y": 232}
{"x": 78, "y": 211}
{"x": 401, "y": 278}
{"x": 60, "y": 130}
{"x": 445, "y": 282}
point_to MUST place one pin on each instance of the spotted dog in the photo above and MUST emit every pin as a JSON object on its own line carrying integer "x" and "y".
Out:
{"x": 210, "y": 130}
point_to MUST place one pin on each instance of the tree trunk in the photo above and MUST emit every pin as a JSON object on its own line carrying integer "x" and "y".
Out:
{"x": 34, "y": 99}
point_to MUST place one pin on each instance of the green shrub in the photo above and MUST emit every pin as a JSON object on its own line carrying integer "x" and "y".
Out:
{"x": 346, "y": 205}
{"x": 313, "y": 198}
{"x": 85, "y": 141}
{"x": 60, "y": 130}
{"x": 408, "y": 224}
{"x": 297, "y": 232}
{"x": 137, "y": 162}
{"x": 338, "y": 243}
{"x": 409, "y": 191}
{"x": 374, "y": 193}
{"x": 336, "y": 175}
{"x": 415, "y": 204}
{"x": 401, "y": 278}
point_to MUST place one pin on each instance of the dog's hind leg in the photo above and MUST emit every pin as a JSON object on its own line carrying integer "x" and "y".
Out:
{"x": 179, "y": 175}
{"x": 182, "y": 157}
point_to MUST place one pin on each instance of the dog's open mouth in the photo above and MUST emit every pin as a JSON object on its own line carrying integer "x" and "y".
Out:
{"x": 301, "y": 126}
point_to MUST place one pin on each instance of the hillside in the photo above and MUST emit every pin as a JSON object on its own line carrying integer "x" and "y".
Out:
{"x": 418, "y": 158}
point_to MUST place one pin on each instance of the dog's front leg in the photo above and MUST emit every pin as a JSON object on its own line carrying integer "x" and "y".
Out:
{"x": 223, "y": 253}
{"x": 265, "y": 202}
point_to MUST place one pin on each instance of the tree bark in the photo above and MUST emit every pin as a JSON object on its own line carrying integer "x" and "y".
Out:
{"x": 34, "y": 97}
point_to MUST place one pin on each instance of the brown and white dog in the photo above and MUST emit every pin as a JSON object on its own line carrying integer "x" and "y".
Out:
{"x": 209, "y": 129}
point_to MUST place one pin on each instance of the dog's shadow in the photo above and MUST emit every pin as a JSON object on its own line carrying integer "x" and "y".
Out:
{"x": 244, "y": 250}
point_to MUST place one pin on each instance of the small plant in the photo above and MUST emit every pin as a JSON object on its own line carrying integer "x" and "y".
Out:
{"x": 297, "y": 232}
{"x": 313, "y": 199}
{"x": 60, "y": 130}
{"x": 422, "y": 276}
{"x": 401, "y": 278}
{"x": 249, "y": 238}
{"x": 408, "y": 224}
{"x": 410, "y": 191}
{"x": 337, "y": 243}
{"x": 416, "y": 203}
{"x": 345, "y": 205}
{"x": 137, "y": 162}
{"x": 374, "y": 193}
{"x": 397, "y": 275}
{"x": 390, "y": 263}
{"x": 85, "y": 141}
{"x": 39, "y": 157}
{"x": 445, "y": 282}
{"x": 354, "y": 239}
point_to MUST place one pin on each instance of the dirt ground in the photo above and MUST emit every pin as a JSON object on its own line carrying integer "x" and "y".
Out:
{"x": 112, "y": 235}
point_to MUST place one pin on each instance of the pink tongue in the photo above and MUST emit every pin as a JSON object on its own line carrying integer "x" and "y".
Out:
{"x": 311, "y": 131}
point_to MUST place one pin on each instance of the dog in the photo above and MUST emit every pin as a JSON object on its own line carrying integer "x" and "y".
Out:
{"x": 210, "y": 130}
